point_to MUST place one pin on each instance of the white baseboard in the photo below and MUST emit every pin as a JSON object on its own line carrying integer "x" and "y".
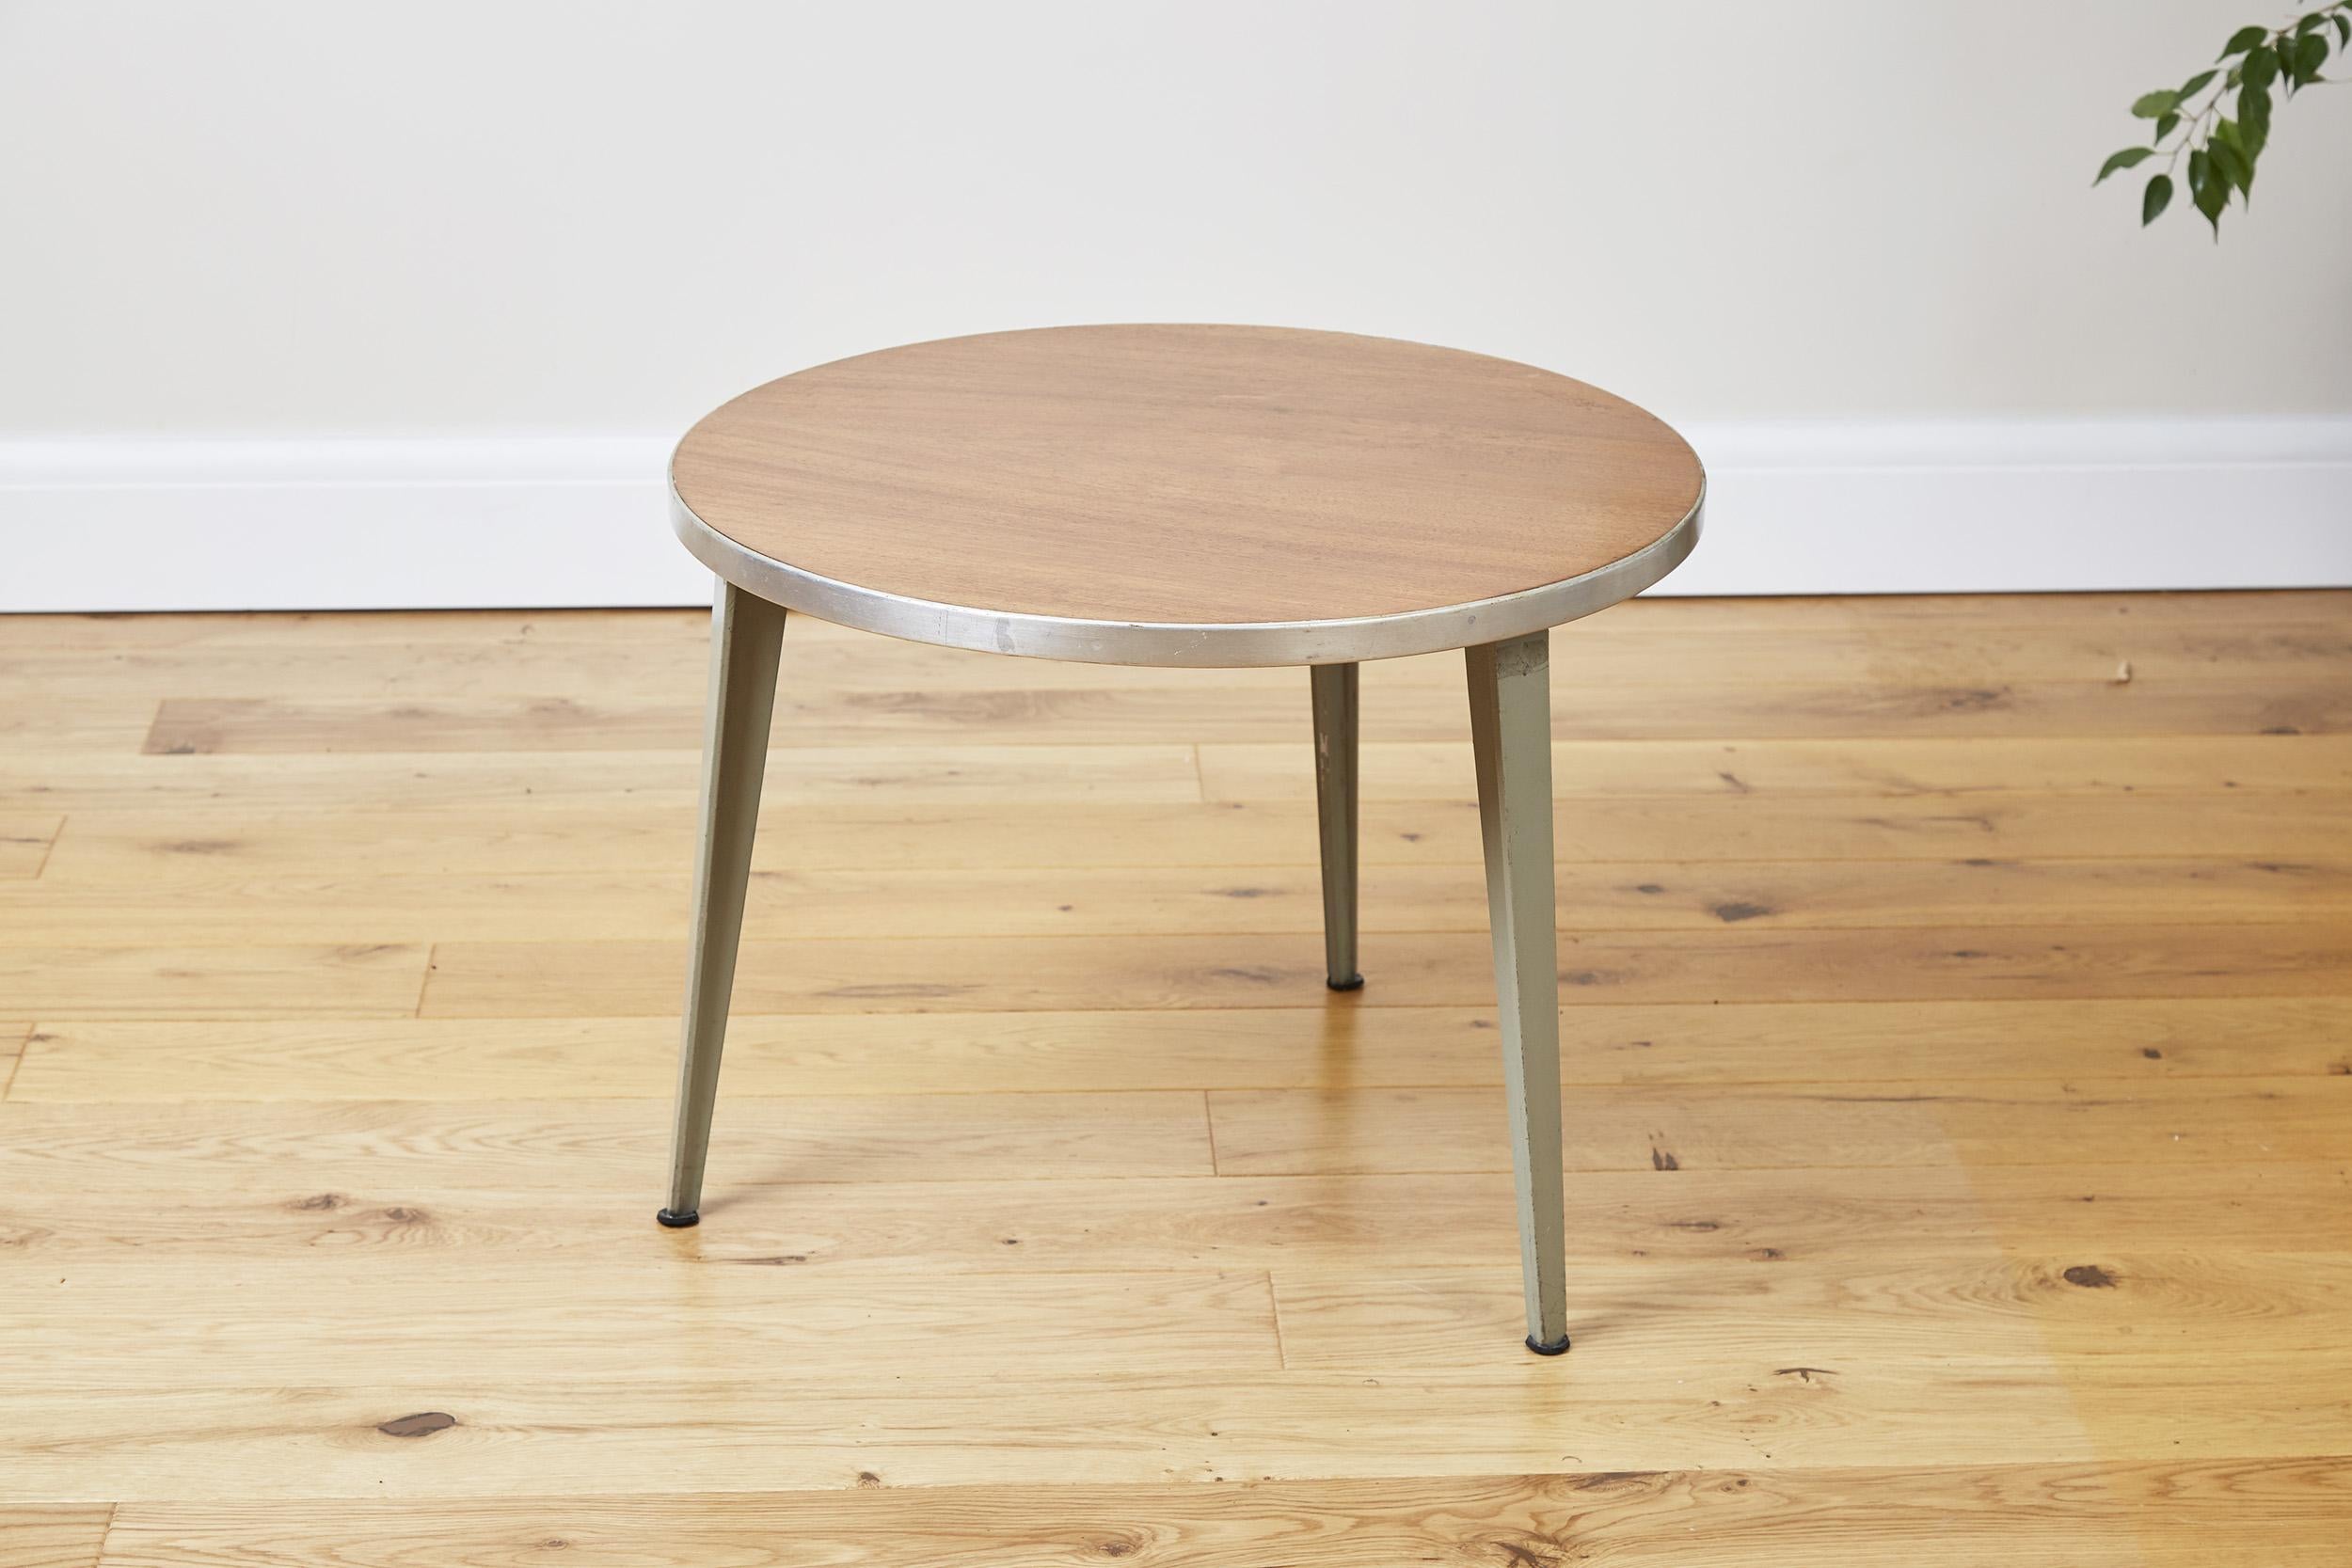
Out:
{"x": 1810, "y": 507}
{"x": 2022, "y": 506}
{"x": 340, "y": 525}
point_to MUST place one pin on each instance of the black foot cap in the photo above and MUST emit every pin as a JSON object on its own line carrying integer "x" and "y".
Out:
{"x": 1560, "y": 1348}
{"x": 1354, "y": 982}
{"x": 676, "y": 1221}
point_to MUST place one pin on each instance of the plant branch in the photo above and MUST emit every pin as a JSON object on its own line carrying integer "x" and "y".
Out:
{"x": 2221, "y": 151}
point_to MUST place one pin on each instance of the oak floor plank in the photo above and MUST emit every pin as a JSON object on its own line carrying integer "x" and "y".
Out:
{"x": 843, "y": 1328}
{"x": 227, "y": 849}
{"x": 36, "y": 1535}
{"x": 13, "y": 1040}
{"x": 2057, "y": 1515}
{"x": 510, "y": 1147}
{"x": 1604, "y": 652}
{"x": 470, "y": 1322}
{"x": 921, "y": 774}
{"x": 1315, "y": 1046}
{"x": 1584, "y": 768}
{"x": 307, "y": 980}
{"x": 2272, "y": 828}
{"x": 2233, "y": 1121}
{"x": 414, "y": 1203}
{"x": 24, "y": 843}
{"x": 653, "y": 785}
{"x": 518, "y": 979}
{"x": 34, "y": 722}
{"x": 931, "y": 902}
{"x": 1147, "y": 770}
{"x": 1210, "y": 711}
{"x": 2196, "y": 1305}
{"x": 513, "y": 1147}
{"x": 755, "y": 1428}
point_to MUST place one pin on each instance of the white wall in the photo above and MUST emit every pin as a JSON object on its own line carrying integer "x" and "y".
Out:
{"x": 280, "y": 277}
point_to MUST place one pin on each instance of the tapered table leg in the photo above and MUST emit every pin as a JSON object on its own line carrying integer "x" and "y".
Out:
{"x": 746, "y": 637}
{"x": 1510, "y": 702}
{"x": 1335, "y": 805}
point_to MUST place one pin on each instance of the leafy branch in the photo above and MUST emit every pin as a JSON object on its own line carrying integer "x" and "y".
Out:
{"x": 2221, "y": 148}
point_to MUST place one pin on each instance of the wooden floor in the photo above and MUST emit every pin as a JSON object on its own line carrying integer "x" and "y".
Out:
{"x": 1959, "y": 1047}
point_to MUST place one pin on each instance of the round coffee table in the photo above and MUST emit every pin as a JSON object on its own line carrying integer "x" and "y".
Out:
{"x": 1206, "y": 496}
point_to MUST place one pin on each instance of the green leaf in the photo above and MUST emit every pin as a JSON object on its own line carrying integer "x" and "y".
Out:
{"x": 2207, "y": 190}
{"x": 2343, "y": 29}
{"x": 2261, "y": 68}
{"x": 2198, "y": 83}
{"x": 2156, "y": 199}
{"x": 2253, "y": 120}
{"x": 2166, "y": 125}
{"x": 2130, "y": 157}
{"x": 2230, "y": 166}
{"x": 2243, "y": 39}
{"x": 2150, "y": 105}
{"x": 2311, "y": 53}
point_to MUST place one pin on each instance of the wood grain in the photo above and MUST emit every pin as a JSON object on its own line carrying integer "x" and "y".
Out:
{"x": 226, "y": 848}
{"x": 837, "y": 1328}
{"x": 1189, "y": 474}
{"x": 2080, "y": 1515}
{"x": 515, "y": 979}
{"x": 24, "y": 843}
{"x": 2115, "y": 1303}
{"x": 51, "y": 1536}
{"x": 554, "y": 906}
{"x": 308, "y": 981}
{"x": 2001, "y": 768}
{"x": 468, "y": 1322}
{"x": 471, "y": 782}
{"x": 13, "y": 1040}
{"x": 579, "y": 1212}
{"x": 806, "y": 775}
{"x": 1294, "y": 1132}
{"x": 659, "y": 658}
{"x": 34, "y": 722}
{"x": 1959, "y": 1126}
{"x": 1218, "y": 713}
{"x": 756, "y": 1428}
{"x": 518, "y": 1145}
{"x": 100, "y": 1060}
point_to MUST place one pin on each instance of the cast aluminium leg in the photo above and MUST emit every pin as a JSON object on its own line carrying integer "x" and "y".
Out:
{"x": 1335, "y": 805}
{"x": 746, "y": 637}
{"x": 1510, "y": 702}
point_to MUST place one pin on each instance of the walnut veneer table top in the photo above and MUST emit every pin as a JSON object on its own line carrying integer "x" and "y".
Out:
{"x": 1186, "y": 495}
